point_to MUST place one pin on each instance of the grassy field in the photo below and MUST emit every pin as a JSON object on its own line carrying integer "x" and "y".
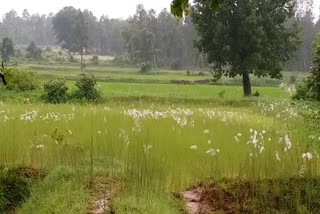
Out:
{"x": 149, "y": 141}
{"x": 111, "y": 73}
{"x": 155, "y": 149}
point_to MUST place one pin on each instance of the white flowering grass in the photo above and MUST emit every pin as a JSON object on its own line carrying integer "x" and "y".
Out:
{"x": 161, "y": 147}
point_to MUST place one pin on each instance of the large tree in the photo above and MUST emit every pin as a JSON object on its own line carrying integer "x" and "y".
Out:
{"x": 71, "y": 29}
{"x": 63, "y": 25}
{"x": 7, "y": 49}
{"x": 246, "y": 37}
{"x": 139, "y": 36}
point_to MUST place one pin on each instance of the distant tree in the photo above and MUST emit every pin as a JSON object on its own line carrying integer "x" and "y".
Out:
{"x": 305, "y": 20}
{"x": 63, "y": 26}
{"x": 33, "y": 51}
{"x": 7, "y": 49}
{"x": 71, "y": 29}
{"x": 310, "y": 89}
{"x": 80, "y": 35}
{"x": 246, "y": 37}
{"x": 140, "y": 37}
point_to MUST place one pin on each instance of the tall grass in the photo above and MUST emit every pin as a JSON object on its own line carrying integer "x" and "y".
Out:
{"x": 159, "y": 149}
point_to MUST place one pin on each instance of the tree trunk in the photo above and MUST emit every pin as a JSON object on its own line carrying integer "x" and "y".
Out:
{"x": 246, "y": 85}
{"x": 3, "y": 79}
{"x": 82, "y": 67}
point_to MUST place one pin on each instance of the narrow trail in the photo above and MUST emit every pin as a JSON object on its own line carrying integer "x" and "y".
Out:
{"x": 103, "y": 191}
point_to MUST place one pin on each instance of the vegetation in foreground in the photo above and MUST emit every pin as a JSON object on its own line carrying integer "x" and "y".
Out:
{"x": 139, "y": 145}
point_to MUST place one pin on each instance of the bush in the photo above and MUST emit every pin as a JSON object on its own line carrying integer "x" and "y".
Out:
{"x": 86, "y": 89}
{"x": 20, "y": 79}
{"x": 292, "y": 79}
{"x": 55, "y": 91}
{"x": 256, "y": 94}
{"x": 221, "y": 93}
{"x": 145, "y": 67}
{"x": 24, "y": 80}
{"x": 121, "y": 60}
{"x": 95, "y": 60}
{"x": 201, "y": 73}
{"x": 33, "y": 51}
{"x": 72, "y": 59}
{"x": 176, "y": 64}
{"x": 13, "y": 190}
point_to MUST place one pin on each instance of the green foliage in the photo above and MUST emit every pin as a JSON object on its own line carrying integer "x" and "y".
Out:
{"x": 71, "y": 28}
{"x": 72, "y": 59}
{"x": 19, "y": 79}
{"x": 145, "y": 67}
{"x": 59, "y": 192}
{"x": 292, "y": 79}
{"x": 24, "y": 80}
{"x": 95, "y": 60}
{"x": 13, "y": 190}
{"x": 181, "y": 7}
{"x": 33, "y": 51}
{"x": 256, "y": 94}
{"x": 221, "y": 93}
{"x": 246, "y": 37}
{"x": 6, "y": 49}
{"x": 86, "y": 89}
{"x": 55, "y": 91}
{"x": 310, "y": 88}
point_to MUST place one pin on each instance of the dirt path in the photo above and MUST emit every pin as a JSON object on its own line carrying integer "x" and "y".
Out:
{"x": 192, "y": 200}
{"x": 208, "y": 200}
{"x": 103, "y": 190}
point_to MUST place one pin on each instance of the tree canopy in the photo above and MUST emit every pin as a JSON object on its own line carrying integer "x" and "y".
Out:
{"x": 310, "y": 89}
{"x": 181, "y": 7}
{"x": 72, "y": 29}
{"x": 246, "y": 37}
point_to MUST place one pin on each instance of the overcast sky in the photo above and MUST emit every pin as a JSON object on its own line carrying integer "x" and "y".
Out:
{"x": 112, "y": 8}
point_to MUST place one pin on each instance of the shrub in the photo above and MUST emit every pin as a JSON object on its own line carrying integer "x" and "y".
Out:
{"x": 24, "y": 80}
{"x": 292, "y": 79}
{"x": 121, "y": 60}
{"x": 33, "y": 51}
{"x": 221, "y": 93}
{"x": 256, "y": 94}
{"x": 72, "y": 59}
{"x": 188, "y": 73}
{"x": 86, "y": 89}
{"x": 95, "y": 60}
{"x": 48, "y": 49}
{"x": 201, "y": 73}
{"x": 20, "y": 79}
{"x": 176, "y": 64}
{"x": 145, "y": 67}
{"x": 13, "y": 190}
{"x": 55, "y": 91}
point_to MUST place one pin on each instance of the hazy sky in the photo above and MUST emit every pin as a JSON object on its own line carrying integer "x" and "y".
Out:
{"x": 112, "y": 8}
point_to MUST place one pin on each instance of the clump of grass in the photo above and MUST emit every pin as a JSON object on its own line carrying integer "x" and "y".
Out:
{"x": 60, "y": 192}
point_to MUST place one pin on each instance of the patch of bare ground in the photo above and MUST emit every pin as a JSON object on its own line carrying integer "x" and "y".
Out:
{"x": 207, "y": 200}
{"x": 103, "y": 189}
{"x": 292, "y": 195}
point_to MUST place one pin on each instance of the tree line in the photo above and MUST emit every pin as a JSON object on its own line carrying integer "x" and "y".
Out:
{"x": 146, "y": 36}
